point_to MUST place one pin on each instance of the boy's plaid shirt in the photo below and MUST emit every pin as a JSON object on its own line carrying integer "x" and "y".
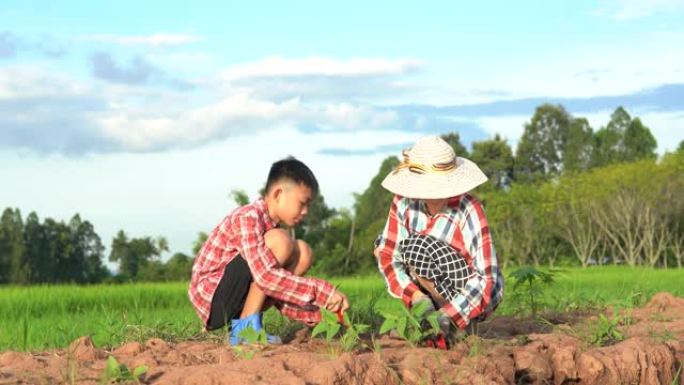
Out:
{"x": 242, "y": 232}
{"x": 463, "y": 225}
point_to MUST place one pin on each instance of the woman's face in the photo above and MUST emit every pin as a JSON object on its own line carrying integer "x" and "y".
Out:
{"x": 435, "y": 205}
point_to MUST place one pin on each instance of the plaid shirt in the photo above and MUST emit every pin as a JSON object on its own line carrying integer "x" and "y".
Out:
{"x": 463, "y": 225}
{"x": 242, "y": 232}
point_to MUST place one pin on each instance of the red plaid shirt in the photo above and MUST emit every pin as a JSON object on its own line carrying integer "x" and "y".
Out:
{"x": 463, "y": 225}
{"x": 242, "y": 232}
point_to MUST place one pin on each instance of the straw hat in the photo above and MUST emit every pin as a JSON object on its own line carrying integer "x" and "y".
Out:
{"x": 431, "y": 170}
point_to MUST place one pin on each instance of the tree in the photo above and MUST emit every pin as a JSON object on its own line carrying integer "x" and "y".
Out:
{"x": 199, "y": 242}
{"x": 133, "y": 254}
{"x": 495, "y": 158}
{"x": 178, "y": 267}
{"x": 240, "y": 197}
{"x": 12, "y": 267}
{"x": 34, "y": 264}
{"x": 578, "y": 146}
{"x": 680, "y": 149}
{"x": 623, "y": 140}
{"x": 540, "y": 150}
{"x": 454, "y": 140}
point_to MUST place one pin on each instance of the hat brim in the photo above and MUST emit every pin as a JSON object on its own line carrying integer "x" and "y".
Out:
{"x": 409, "y": 184}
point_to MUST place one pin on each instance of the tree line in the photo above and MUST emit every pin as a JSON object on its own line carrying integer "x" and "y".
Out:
{"x": 568, "y": 194}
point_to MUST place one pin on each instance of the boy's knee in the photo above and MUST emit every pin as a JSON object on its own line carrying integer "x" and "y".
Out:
{"x": 376, "y": 252}
{"x": 280, "y": 244}
{"x": 305, "y": 254}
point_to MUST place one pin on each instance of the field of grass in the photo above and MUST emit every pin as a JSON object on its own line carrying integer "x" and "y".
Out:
{"x": 41, "y": 317}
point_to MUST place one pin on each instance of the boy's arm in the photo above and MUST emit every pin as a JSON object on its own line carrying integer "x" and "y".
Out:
{"x": 478, "y": 293}
{"x": 275, "y": 281}
{"x": 308, "y": 315}
{"x": 399, "y": 283}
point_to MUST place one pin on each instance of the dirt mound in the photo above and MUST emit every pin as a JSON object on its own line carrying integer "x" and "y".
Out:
{"x": 651, "y": 353}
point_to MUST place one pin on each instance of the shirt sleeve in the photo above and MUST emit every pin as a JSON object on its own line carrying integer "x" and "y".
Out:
{"x": 275, "y": 281}
{"x": 308, "y": 315}
{"x": 399, "y": 283}
{"x": 474, "y": 299}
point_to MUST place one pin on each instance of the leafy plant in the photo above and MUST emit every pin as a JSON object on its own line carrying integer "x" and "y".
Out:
{"x": 251, "y": 337}
{"x": 414, "y": 325}
{"x": 331, "y": 324}
{"x": 605, "y": 331}
{"x": 529, "y": 286}
{"x": 116, "y": 372}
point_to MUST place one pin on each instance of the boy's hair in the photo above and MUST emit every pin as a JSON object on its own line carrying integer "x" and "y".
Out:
{"x": 294, "y": 170}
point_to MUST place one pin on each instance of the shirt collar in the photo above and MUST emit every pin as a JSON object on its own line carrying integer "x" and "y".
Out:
{"x": 262, "y": 208}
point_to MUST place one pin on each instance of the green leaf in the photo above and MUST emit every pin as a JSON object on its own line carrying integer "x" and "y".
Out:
{"x": 139, "y": 371}
{"x": 249, "y": 334}
{"x": 113, "y": 367}
{"x": 387, "y": 325}
{"x": 320, "y": 328}
{"x": 401, "y": 326}
{"x": 332, "y": 331}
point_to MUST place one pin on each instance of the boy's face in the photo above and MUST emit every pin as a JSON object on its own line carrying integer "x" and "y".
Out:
{"x": 292, "y": 202}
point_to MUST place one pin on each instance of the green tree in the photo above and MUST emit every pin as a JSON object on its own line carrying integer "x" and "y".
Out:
{"x": 133, "y": 254}
{"x": 495, "y": 158}
{"x": 88, "y": 251}
{"x": 199, "y": 242}
{"x": 623, "y": 140}
{"x": 35, "y": 265}
{"x": 178, "y": 267}
{"x": 240, "y": 197}
{"x": 578, "y": 146}
{"x": 541, "y": 147}
{"x": 454, "y": 140}
{"x": 12, "y": 267}
{"x": 680, "y": 149}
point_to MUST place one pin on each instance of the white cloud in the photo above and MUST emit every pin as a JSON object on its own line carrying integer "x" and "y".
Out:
{"x": 276, "y": 66}
{"x": 234, "y": 115}
{"x": 637, "y": 9}
{"x": 157, "y": 39}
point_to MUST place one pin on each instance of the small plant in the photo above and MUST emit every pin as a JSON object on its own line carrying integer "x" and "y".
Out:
{"x": 414, "y": 325}
{"x": 251, "y": 337}
{"x": 606, "y": 332}
{"x": 331, "y": 324}
{"x": 116, "y": 372}
{"x": 529, "y": 286}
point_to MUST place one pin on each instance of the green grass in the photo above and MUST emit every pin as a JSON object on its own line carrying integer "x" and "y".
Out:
{"x": 40, "y": 317}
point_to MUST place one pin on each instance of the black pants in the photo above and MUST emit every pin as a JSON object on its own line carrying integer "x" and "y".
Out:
{"x": 231, "y": 293}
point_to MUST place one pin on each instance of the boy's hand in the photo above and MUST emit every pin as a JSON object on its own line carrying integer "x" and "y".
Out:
{"x": 337, "y": 302}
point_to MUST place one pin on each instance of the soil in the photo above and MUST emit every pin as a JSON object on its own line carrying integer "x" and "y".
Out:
{"x": 505, "y": 351}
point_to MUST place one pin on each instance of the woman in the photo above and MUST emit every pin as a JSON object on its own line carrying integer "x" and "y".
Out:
{"x": 436, "y": 245}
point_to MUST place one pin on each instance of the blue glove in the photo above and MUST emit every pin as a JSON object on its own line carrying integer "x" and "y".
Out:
{"x": 253, "y": 321}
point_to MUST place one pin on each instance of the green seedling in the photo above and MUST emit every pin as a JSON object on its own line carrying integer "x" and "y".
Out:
{"x": 115, "y": 372}
{"x": 332, "y": 325}
{"x": 414, "y": 325}
{"x": 605, "y": 331}
{"x": 251, "y": 337}
{"x": 529, "y": 286}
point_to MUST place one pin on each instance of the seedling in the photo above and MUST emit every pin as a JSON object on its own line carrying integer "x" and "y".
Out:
{"x": 529, "y": 286}
{"x": 332, "y": 323}
{"x": 606, "y": 331}
{"x": 414, "y": 325}
{"x": 251, "y": 337}
{"x": 115, "y": 372}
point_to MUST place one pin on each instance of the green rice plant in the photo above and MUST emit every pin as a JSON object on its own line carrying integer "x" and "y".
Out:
{"x": 413, "y": 325}
{"x": 115, "y": 372}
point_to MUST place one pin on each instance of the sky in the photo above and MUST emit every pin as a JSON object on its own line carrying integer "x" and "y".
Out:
{"x": 144, "y": 116}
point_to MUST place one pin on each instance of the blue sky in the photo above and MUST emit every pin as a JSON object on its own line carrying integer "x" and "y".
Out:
{"x": 143, "y": 116}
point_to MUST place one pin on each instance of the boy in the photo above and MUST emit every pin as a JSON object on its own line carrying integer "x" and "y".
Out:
{"x": 248, "y": 262}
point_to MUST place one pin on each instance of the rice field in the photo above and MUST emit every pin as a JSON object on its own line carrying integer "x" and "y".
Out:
{"x": 44, "y": 317}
